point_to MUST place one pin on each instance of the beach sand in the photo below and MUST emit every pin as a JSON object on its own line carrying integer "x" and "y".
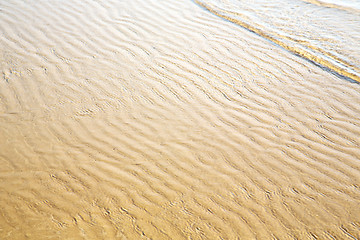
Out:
{"x": 159, "y": 120}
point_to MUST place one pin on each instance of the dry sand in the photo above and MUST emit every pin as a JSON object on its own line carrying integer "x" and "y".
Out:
{"x": 158, "y": 120}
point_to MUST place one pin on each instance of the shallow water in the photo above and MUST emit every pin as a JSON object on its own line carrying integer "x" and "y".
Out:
{"x": 161, "y": 120}
{"x": 325, "y": 32}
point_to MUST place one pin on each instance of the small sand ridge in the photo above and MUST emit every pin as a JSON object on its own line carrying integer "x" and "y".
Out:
{"x": 159, "y": 120}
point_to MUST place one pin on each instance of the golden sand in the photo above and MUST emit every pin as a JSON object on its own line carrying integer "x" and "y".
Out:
{"x": 158, "y": 120}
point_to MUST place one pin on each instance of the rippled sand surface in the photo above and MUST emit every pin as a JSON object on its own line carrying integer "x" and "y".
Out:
{"x": 159, "y": 120}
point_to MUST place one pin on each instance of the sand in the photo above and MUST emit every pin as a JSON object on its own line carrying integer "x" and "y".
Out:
{"x": 159, "y": 120}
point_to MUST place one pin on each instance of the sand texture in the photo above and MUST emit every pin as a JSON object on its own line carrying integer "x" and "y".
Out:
{"x": 160, "y": 120}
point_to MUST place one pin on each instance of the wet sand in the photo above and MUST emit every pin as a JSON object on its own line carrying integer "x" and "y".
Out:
{"x": 159, "y": 120}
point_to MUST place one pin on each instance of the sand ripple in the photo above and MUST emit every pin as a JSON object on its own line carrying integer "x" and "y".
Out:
{"x": 158, "y": 120}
